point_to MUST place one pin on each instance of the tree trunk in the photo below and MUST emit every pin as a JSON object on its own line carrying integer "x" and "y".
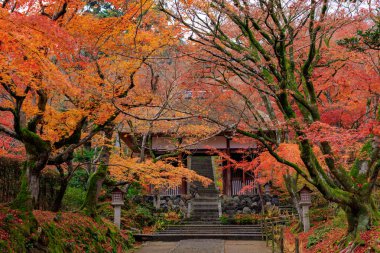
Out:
{"x": 61, "y": 193}
{"x": 23, "y": 200}
{"x": 291, "y": 186}
{"x": 94, "y": 185}
{"x": 96, "y": 180}
{"x": 27, "y": 198}
{"x": 33, "y": 184}
{"x": 359, "y": 216}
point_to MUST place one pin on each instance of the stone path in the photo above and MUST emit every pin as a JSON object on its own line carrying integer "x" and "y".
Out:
{"x": 204, "y": 246}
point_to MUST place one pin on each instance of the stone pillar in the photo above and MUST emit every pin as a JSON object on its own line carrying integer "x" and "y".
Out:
{"x": 305, "y": 218}
{"x": 220, "y": 208}
{"x": 188, "y": 209}
{"x": 117, "y": 216}
{"x": 157, "y": 201}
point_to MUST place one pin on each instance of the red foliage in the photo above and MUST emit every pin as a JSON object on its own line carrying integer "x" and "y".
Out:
{"x": 8, "y": 218}
{"x": 331, "y": 240}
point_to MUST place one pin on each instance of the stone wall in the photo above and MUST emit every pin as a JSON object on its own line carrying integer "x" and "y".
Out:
{"x": 231, "y": 205}
{"x": 246, "y": 204}
{"x": 170, "y": 203}
{"x": 175, "y": 203}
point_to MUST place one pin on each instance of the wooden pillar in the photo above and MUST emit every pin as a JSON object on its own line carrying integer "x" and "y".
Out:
{"x": 184, "y": 186}
{"x": 183, "y": 189}
{"x": 228, "y": 176}
{"x": 224, "y": 174}
{"x": 188, "y": 165}
{"x": 243, "y": 183}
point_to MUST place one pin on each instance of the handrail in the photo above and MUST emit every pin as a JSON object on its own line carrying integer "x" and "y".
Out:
{"x": 273, "y": 230}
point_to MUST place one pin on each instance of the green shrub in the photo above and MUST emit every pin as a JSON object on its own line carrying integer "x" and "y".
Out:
{"x": 73, "y": 198}
{"x": 340, "y": 220}
{"x": 134, "y": 189}
{"x": 144, "y": 216}
{"x": 245, "y": 219}
{"x": 79, "y": 179}
{"x": 240, "y": 219}
{"x": 165, "y": 219}
{"x": 225, "y": 220}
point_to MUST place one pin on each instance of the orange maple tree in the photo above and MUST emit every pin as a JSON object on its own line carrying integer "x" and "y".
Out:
{"x": 63, "y": 67}
{"x": 297, "y": 85}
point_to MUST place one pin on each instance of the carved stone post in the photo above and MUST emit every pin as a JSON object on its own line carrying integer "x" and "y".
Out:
{"x": 305, "y": 203}
{"x": 117, "y": 202}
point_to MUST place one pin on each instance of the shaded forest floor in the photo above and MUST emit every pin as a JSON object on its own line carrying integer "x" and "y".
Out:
{"x": 326, "y": 237}
{"x": 59, "y": 232}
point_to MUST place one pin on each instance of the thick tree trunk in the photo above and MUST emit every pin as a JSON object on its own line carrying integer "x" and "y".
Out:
{"x": 27, "y": 198}
{"x": 291, "y": 186}
{"x": 96, "y": 180}
{"x": 93, "y": 189}
{"x": 360, "y": 216}
{"x": 33, "y": 184}
{"x": 61, "y": 193}
{"x": 23, "y": 200}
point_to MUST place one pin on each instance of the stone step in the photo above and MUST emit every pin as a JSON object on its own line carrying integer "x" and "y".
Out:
{"x": 205, "y": 207}
{"x": 204, "y": 218}
{"x": 209, "y": 195}
{"x": 209, "y": 232}
{"x": 204, "y": 211}
{"x": 200, "y": 162}
{"x": 213, "y": 227}
{"x": 215, "y": 231}
{"x": 178, "y": 237}
{"x": 200, "y": 222}
{"x": 206, "y": 198}
{"x": 205, "y": 203}
{"x": 196, "y": 206}
{"x": 208, "y": 190}
{"x": 194, "y": 227}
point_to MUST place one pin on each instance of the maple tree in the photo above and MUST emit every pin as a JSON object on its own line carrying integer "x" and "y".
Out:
{"x": 62, "y": 71}
{"x": 295, "y": 84}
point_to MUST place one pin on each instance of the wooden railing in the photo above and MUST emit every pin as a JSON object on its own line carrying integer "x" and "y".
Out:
{"x": 237, "y": 186}
{"x": 273, "y": 231}
{"x": 171, "y": 191}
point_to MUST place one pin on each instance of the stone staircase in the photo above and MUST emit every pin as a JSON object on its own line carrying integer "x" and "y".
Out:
{"x": 206, "y": 231}
{"x": 205, "y": 206}
{"x": 204, "y": 220}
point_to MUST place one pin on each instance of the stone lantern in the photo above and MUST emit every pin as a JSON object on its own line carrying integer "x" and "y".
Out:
{"x": 305, "y": 203}
{"x": 267, "y": 189}
{"x": 117, "y": 202}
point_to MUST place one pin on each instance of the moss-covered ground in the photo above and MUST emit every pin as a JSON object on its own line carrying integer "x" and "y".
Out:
{"x": 327, "y": 236}
{"x": 59, "y": 232}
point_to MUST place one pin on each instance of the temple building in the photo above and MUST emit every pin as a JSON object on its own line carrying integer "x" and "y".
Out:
{"x": 202, "y": 157}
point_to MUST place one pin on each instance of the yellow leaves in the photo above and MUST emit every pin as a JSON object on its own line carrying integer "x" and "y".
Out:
{"x": 160, "y": 174}
{"x": 58, "y": 125}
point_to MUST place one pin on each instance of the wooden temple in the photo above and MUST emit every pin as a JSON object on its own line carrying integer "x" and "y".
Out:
{"x": 233, "y": 180}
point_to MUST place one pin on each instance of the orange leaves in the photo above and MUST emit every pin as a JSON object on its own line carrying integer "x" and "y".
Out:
{"x": 59, "y": 125}
{"x": 27, "y": 45}
{"x": 160, "y": 174}
{"x": 270, "y": 169}
{"x": 83, "y": 62}
{"x": 341, "y": 139}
